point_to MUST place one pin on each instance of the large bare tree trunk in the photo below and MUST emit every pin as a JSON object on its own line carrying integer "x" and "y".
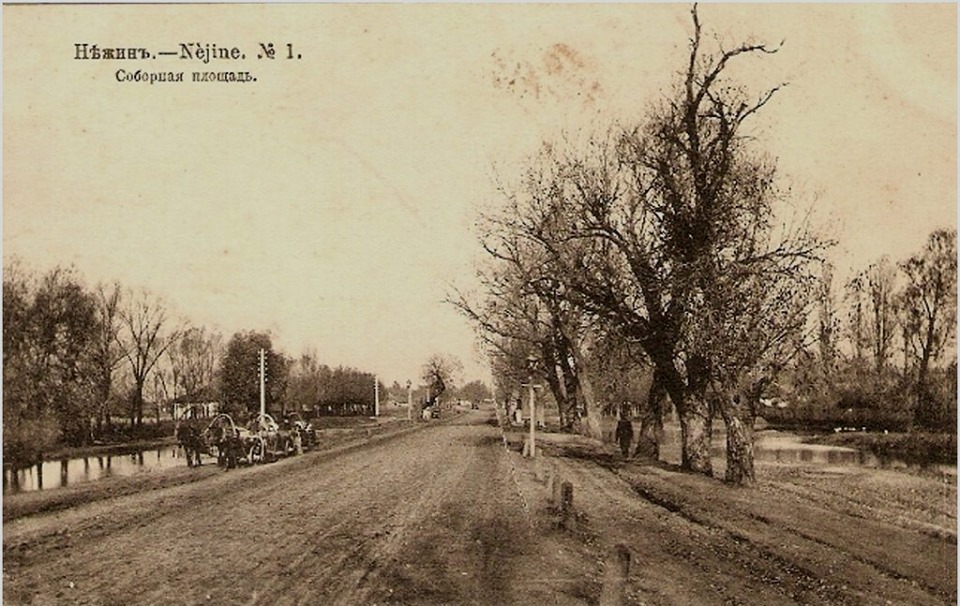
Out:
{"x": 651, "y": 430}
{"x": 138, "y": 403}
{"x": 554, "y": 376}
{"x": 651, "y": 434}
{"x": 590, "y": 423}
{"x": 651, "y": 423}
{"x": 739, "y": 410}
{"x": 696, "y": 430}
{"x": 739, "y": 446}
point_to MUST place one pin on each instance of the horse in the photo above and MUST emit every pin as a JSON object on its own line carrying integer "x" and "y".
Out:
{"x": 191, "y": 440}
{"x": 229, "y": 446}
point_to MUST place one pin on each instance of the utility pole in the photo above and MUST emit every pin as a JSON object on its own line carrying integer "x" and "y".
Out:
{"x": 263, "y": 381}
{"x": 409, "y": 402}
{"x": 376, "y": 396}
{"x": 533, "y": 421}
{"x": 531, "y": 366}
{"x": 533, "y": 417}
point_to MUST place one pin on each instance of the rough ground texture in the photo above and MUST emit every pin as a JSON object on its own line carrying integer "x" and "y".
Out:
{"x": 452, "y": 514}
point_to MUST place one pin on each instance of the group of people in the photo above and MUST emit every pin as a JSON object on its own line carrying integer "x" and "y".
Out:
{"x": 516, "y": 416}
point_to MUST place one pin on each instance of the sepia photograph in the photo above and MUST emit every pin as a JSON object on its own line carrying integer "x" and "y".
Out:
{"x": 617, "y": 304}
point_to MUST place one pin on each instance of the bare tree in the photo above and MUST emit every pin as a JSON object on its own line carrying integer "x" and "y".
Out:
{"x": 626, "y": 384}
{"x": 828, "y": 323}
{"x": 872, "y": 313}
{"x": 108, "y": 353}
{"x": 524, "y": 314}
{"x": 929, "y": 302}
{"x": 440, "y": 372}
{"x": 666, "y": 234}
{"x": 880, "y": 282}
{"x": 303, "y": 390}
{"x": 144, "y": 337}
{"x": 193, "y": 359}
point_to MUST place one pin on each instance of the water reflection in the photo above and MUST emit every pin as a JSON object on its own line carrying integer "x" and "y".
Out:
{"x": 67, "y": 472}
{"x": 788, "y": 449}
{"x": 829, "y": 456}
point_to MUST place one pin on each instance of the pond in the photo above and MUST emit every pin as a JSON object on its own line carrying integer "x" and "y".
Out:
{"x": 776, "y": 447}
{"x": 68, "y": 472}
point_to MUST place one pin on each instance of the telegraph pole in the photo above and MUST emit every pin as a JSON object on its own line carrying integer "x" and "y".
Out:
{"x": 533, "y": 421}
{"x": 263, "y": 380}
{"x": 376, "y": 396}
{"x": 531, "y": 366}
{"x": 409, "y": 402}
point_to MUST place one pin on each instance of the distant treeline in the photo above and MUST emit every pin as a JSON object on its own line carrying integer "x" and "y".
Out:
{"x": 884, "y": 356}
{"x": 84, "y": 365}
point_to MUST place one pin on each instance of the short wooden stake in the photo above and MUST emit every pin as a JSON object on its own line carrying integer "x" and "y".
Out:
{"x": 557, "y": 484}
{"x": 617, "y": 570}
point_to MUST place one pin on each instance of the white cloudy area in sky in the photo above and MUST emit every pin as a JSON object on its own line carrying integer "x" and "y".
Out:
{"x": 332, "y": 201}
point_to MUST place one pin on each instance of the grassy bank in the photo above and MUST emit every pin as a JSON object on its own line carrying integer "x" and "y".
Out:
{"x": 914, "y": 448}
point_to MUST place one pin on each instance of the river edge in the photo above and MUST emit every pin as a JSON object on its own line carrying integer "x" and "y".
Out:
{"x": 114, "y": 448}
{"x": 132, "y": 446}
{"x": 37, "y": 502}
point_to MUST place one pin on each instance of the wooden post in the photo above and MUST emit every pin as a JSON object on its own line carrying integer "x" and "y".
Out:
{"x": 409, "y": 402}
{"x": 263, "y": 390}
{"x": 617, "y": 570}
{"x": 533, "y": 421}
{"x": 376, "y": 396}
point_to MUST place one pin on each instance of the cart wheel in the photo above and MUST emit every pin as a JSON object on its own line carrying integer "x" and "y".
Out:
{"x": 258, "y": 451}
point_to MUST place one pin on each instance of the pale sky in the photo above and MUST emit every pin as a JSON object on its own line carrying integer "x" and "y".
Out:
{"x": 331, "y": 202}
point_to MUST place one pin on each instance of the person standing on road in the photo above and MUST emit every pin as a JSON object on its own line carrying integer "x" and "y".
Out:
{"x": 624, "y": 434}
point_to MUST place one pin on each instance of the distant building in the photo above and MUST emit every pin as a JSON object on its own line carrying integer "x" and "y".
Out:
{"x": 180, "y": 410}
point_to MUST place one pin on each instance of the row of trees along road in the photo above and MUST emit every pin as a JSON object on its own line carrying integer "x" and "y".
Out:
{"x": 80, "y": 365}
{"x": 662, "y": 256}
{"x": 312, "y": 384}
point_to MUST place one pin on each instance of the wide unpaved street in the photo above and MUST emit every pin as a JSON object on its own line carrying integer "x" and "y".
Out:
{"x": 445, "y": 514}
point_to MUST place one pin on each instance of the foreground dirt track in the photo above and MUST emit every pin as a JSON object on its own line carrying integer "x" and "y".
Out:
{"x": 447, "y": 515}
{"x": 792, "y": 539}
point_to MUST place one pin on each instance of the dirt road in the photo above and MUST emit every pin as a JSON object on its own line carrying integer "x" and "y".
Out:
{"x": 447, "y": 515}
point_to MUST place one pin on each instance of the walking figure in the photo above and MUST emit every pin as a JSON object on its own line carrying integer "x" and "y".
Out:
{"x": 625, "y": 435}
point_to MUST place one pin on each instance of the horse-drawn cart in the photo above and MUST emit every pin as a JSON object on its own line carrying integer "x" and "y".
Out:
{"x": 261, "y": 441}
{"x": 304, "y": 430}
{"x": 229, "y": 442}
